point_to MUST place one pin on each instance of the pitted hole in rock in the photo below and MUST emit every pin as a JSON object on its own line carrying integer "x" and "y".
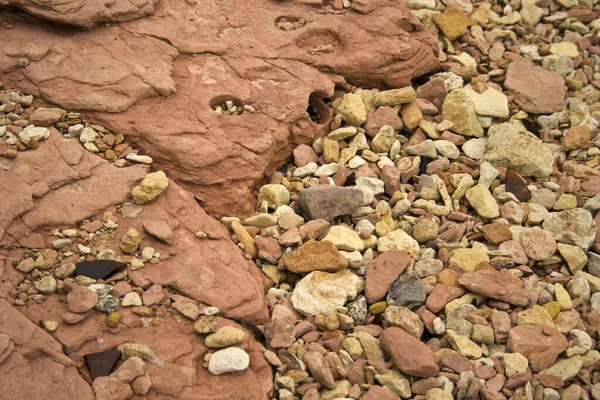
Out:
{"x": 318, "y": 110}
{"x": 318, "y": 41}
{"x": 229, "y": 105}
{"x": 290, "y": 22}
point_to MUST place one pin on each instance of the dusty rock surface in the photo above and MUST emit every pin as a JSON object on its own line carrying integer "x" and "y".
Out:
{"x": 156, "y": 73}
{"x": 424, "y": 236}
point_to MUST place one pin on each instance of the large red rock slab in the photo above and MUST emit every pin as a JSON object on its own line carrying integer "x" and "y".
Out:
{"x": 82, "y": 13}
{"x": 408, "y": 353}
{"x": 157, "y": 80}
{"x": 36, "y": 367}
{"x": 78, "y": 185}
{"x": 540, "y": 344}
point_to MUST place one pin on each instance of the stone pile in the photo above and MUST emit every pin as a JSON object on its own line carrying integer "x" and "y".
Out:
{"x": 440, "y": 240}
{"x": 23, "y": 125}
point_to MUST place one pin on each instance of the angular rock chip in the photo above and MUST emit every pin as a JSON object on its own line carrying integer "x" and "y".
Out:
{"x": 327, "y": 202}
{"x": 102, "y": 364}
{"x": 517, "y": 186}
{"x": 98, "y": 269}
{"x": 495, "y": 285}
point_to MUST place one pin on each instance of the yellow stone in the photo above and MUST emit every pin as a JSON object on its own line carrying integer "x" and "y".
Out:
{"x": 113, "y": 319}
{"x": 131, "y": 241}
{"x": 535, "y": 315}
{"x": 463, "y": 346}
{"x": 467, "y": 259}
{"x": 152, "y": 186}
{"x": 562, "y": 297}
{"x": 378, "y": 308}
{"x": 568, "y": 49}
{"x": 553, "y": 308}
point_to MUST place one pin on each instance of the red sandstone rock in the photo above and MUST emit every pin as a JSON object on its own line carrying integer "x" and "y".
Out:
{"x": 540, "y": 344}
{"x": 382, "y": 271}
{"x": 408, "y": 353}
{"x": 159, "y": 81}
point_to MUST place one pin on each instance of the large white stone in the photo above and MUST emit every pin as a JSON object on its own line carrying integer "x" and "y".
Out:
{"x": 231, "y": 359}
{"x": 322, "y": 292}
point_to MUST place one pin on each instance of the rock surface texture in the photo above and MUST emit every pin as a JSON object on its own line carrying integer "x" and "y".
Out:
{"x": 432, "y": 235}
{"x": 159, "y": 78}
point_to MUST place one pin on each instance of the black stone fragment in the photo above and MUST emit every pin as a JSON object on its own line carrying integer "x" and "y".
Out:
{"x": 102, "y": 364}
{"x": 98, "y": 269}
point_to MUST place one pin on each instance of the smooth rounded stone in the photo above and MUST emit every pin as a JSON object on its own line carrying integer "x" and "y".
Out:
{"x": 408, "y": 353}
{"x": 490, "y": 102}
{"x": 514, "y": 363}
{"x": 447, "y": 149}
{"x": 356, "y": 162}
{"x": 475, "y": 148}
{"x": 342, "y": 133}
{"x": 231, "y": 359}
{"x": 139, "y": 158}
{"x": 574, "y": 256}
{"x": 537, "y": 213}
{"x": 398, "y": 240}
{"x": 401, "y": 207}
{"x": 565, "y": 369}
{"x": 407, "y": 291}
{"x": 152, "y": 186}
{"x": 106, "y": 254}
{"x": 354, "y": 259}
{"x": 425, "y": 230}
{"x": 394, "y": 97}
{"x": 61, "y": 243}
{"x": 352, "y": 109}
{"x": 593, "y": 264}
{"x": 64, "y": 270}
{"x": 483, "y": 202}
{"x": 43, "y": 116}
{"x": 304, "y": 154}
{"x": 225, "y": 336}
{"x": 32, "y": 132}
{"x": 327, "y": 169}
{"x": 275, "y": 195}
{"x": 81, "y": 299}
{"x": 262, "y": 220}
{"x": 574, "y": 227}
{"x": 538, "y": 244}
{"x": 344, "y": 238}
{"x": 131, "y": 241}
{"x": 46, "y": 285}
{"x": 509, "y": 145}
{"x": 131, "y": 300}
{"x": 306, "y": 170}
{"x": 315, "y": 256}
{"x": 468, "y": 259}
{"x": 426, "y": 148}
{"x": 322, "y": 292}
{"x": 543, "y": 197}
{"x": 559, "y": 63}
{"x": 376, "y": 185}
{"x": 327, "y": 202}
{"x": 459, "y": 109}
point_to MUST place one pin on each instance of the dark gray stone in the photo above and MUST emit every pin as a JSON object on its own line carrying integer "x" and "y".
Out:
{"x": 407, "y": 291}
